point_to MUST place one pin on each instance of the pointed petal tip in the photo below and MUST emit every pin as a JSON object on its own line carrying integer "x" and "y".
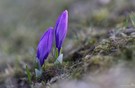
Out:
{"x": 50, "y": 28}
{"x": 65, "y": 12}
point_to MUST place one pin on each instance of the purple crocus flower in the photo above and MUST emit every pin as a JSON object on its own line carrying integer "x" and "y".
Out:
{"x": 45, "y": 45}
{"x": 61, "y": 29}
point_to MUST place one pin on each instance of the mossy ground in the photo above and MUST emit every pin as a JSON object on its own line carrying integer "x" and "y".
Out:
{"x": 92, "y": 56}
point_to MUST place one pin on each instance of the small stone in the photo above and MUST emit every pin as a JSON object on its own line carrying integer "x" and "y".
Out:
{"x": 133, "y": 34}
{"x": 87, "y": 56}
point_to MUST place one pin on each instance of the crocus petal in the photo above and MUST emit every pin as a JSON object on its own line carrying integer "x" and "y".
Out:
{"x": 45, "y": 45}
{"x": 61, "y": 29}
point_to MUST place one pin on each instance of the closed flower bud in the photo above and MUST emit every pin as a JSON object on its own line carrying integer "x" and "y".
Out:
{"x": 45, "y": 45}
{"x": 61, "y": 29}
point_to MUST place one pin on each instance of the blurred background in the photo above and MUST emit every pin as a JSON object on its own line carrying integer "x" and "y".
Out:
{"x": 22, "y": 22}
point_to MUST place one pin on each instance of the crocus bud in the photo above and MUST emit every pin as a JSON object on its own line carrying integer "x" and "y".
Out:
{"x": 45, "y": 45}
{"x": 61, "y": 29}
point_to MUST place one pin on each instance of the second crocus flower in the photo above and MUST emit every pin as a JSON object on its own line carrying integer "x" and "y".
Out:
{"x": 61, "y": 29}
{"x": 45, "y": 45}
